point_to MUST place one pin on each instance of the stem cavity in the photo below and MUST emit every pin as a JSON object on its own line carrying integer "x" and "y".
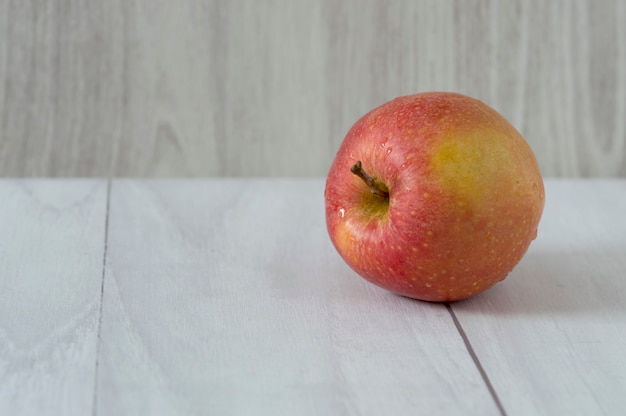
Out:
{"x": 376, "y": 188}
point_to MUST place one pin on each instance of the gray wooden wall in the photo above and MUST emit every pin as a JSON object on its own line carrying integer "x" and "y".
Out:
{"x": 251, "y": 87}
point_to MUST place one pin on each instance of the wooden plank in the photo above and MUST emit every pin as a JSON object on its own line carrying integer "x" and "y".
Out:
{"x": 177, "y": 88}
{"x": 552, "y": 336}
{"x": 51, "y": 257}
{"x": 226, "y": 297}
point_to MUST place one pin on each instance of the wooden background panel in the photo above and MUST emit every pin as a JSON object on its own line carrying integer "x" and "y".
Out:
{"x": 243, "y": 88}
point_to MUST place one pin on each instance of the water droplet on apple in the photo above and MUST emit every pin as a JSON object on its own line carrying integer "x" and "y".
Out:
{"x": 342, "y": 212}
{"x": 389, "y": 149}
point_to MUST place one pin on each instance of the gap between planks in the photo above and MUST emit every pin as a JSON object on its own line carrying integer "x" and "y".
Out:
{"x": 477, "y": 363}
{"x": 104, "y": 260}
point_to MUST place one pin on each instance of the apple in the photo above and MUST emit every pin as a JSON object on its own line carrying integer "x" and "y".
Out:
{"x": 434, "y": 196}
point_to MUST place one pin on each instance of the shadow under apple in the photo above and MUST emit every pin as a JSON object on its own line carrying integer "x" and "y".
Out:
{"x": 556, "y": 283}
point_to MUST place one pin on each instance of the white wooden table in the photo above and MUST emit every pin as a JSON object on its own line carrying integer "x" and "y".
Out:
{"x": 226, "y": 297}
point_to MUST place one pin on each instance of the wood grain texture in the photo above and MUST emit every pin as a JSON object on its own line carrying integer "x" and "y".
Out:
{"x": 226, "y": 297}
{"x": 552, "y": 336}
{"x": 244, "y": 88}
{"x": 51, "y": 250}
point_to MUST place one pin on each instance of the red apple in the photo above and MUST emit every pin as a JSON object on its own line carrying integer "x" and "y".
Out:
{"x": 434, "y": 196}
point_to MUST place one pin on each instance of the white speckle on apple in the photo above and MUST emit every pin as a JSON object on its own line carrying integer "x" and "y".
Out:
{"x": 342, "y": 212}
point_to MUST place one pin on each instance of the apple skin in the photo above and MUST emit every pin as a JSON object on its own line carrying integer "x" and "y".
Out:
{"x": 465, "y": 197}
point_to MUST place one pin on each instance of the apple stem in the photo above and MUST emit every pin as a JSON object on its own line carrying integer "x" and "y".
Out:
{"x": 374, "y": 186}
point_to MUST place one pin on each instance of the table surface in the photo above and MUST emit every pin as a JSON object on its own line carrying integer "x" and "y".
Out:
{"x": 226, "y": 297}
